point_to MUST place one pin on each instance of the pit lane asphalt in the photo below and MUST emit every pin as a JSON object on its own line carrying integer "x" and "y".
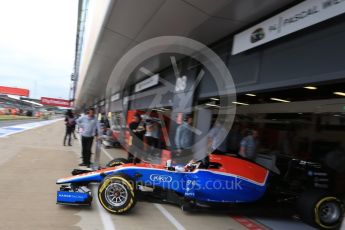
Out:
{"x": 31, "y": 162}
{"x": 5, "y": 123}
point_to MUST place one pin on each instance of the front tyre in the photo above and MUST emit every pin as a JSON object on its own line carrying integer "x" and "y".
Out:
{"x": 320, "y": 209}
{"x": 116, "y": 194}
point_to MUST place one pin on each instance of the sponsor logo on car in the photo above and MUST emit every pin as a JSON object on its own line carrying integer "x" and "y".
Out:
{"x": 71, "y": 196}
{"x": 160, "y": 178}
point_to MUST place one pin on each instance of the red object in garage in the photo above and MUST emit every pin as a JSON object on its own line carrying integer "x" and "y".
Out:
{"x": 166, "y": 155}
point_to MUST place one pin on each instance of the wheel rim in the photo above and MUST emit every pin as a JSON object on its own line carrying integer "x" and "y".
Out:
{"x": 329, "y": 212}
{"x": 116, "y": 194}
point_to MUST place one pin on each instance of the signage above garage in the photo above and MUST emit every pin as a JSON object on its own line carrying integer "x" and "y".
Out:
{"x": 147, "y": 83}
{"x": 115, "y": 97}
{"x": 301, "y": 16}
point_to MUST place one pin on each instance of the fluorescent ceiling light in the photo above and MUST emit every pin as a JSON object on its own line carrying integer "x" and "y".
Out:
{"x": 250, "y": 95}
{"x": 339, "y": 94}
{"x": 239, "y": 103}
{"x": 310, "y": 87}
{"x": 208, "y": 104}
{"x": 214, "y": 99}
{"x": 280, "y": 100}
{"x": 158, "y": 110}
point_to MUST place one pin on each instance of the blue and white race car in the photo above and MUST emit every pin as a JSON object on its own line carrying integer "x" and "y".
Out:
{"x": 224, "y": 181}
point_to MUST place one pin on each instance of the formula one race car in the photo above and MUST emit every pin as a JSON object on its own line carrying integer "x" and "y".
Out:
{"x": 224, "y": 181}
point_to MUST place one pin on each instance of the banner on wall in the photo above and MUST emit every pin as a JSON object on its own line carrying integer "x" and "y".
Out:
{"x": 303, "y": 15}
{"x": 55, "y": 102}
{"x": 14, "y": 91}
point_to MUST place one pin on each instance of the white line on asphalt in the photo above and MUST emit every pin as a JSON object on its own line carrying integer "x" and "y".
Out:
{"x": 158, "y": 206}
{"x": 169, "y": 217}
{"x": 107, "y": 153}
{"x": 107, "y": 222}
{"x": 28, "y": 126}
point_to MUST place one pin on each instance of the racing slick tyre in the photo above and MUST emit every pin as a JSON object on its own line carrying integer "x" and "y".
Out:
{"x": 116, "y": 194}
{"x": 117, "y": 162}
{"x": 320, "y": 209}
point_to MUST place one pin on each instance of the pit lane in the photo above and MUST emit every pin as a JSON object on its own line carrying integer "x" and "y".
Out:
{"x": 15, "y": 122}
{"x": 32, "y": 161}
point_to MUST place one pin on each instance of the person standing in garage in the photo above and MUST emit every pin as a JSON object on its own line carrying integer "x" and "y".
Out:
{"x": 152, "y": 139}
{"x": 248, "y": 146}
{"x": 218, "y": 139}
{"x": 137, "y": 132}
{"x": 184, "y": 138}
{"x": 89, "y": 129}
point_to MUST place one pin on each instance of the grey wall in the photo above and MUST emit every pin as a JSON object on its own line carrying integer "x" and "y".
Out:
{"x": 312, "y": 55}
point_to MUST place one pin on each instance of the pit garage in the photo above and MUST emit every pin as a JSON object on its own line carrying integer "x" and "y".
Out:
{"x": 285, "y": 59}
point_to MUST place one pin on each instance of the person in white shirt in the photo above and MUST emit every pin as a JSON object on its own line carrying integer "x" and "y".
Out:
{"x": 89, "y": 129}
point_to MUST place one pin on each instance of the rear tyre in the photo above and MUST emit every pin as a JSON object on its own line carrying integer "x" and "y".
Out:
{"x": 116, "y": 194}
{"x": 320, "y": 209}
{"x": 117, "y": 162}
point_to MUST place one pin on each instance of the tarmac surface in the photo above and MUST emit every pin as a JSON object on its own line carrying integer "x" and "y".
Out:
{"x": 16, "y": 122}
{"x": 32, "y": 160}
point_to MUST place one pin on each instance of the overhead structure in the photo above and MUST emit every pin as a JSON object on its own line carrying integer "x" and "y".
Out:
{"x": 113, "y": 27}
